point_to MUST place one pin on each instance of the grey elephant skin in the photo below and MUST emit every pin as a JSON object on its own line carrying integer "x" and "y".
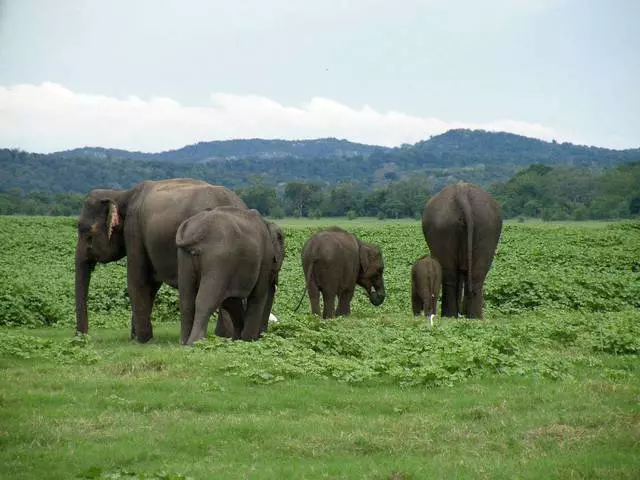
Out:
{"x": 334, "y": 261}
{"x": 426, "y": 279}
{"x": 227, "y": 255}
{"x": 462, "y": 226}
{"x": 141, "y": 224}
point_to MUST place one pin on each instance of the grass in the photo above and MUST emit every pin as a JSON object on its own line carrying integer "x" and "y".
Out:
{"x": 147, "y": 409}
{"x": 548, "y": 386}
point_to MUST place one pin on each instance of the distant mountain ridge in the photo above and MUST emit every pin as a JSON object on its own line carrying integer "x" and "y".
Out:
{"x": 202, "y": 152}
{"x": 472, "y": 155}
{"x": 458, "y": 147}
{"x": 481, "y": 145}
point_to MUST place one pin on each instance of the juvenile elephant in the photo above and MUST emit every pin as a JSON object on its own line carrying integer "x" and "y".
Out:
{"x": 462, "y": 226}
{"x": 141, "y": 224}
{"x": 226, "y": 255}
{"x": 426, "y": 279}
{"x": 334, "y": 261}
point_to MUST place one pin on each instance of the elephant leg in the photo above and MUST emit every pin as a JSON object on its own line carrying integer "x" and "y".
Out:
{"x": 461, "y": 295}
{"x": 344, "y": 302}
{"x": 416, "y": 303}
{"x": 256, "y": 303}
{"x": 142, "y": 292}
{"x": 132, "y": 336}
{"x": 314, "y": 297}
{"x": 235, "y": 309}
{"x": 142, "y": 298}
{"x": 208, "y": 300}
{"x": 329, "y": 304}
{"x": 474, "y": 301}
{"x": 433, "y": 305}
{"x": 450, "y": 294}
{"x": 267, "y": 307}
{"x": 224, "y": 324}
{"x": 187, "y": 289}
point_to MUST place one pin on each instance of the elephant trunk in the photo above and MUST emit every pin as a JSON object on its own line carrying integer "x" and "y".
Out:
{"x": 376, "y": 297}
{"x": 84, "y": 267}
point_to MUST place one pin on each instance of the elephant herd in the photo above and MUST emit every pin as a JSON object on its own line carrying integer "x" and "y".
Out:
{"x": 221, "y": 256}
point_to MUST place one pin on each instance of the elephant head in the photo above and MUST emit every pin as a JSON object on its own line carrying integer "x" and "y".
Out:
{"x": 370, "y": 274}
{"x": 100, "y": 239}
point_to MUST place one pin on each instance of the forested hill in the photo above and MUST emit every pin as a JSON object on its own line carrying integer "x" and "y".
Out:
{"x": 471, "y": 155}
{"x": 461, "y": 147}
{"x": 203, "y": 152}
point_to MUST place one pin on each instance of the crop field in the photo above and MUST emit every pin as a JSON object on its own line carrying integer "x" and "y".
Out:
{"x": 546, "y": 386}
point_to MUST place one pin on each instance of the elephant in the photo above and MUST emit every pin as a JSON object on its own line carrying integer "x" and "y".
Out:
{"x": 334, "y": 261}
{"x": 225, "y": 256}
{"x": 462, "y": 226}
{"x": 426, "y": 279}
{"x": 139, "y": 223}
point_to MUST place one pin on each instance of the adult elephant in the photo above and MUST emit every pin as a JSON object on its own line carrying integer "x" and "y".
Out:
{"x": 462, "y": 226}
{"x": 334, "y": 261}
{"x": 227, "y": 255}
{"x": 141, "y": 224}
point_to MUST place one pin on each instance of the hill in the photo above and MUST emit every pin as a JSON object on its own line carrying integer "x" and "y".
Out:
{"x": 203, "y": 152}
{"x": 472, "y": 155}
{"x": 461, "y": 147}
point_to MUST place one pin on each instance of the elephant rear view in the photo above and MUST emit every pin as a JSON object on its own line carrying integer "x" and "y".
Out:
{"x": 462, "y": 226}
{"x": 334, "y": 261}
{"x": 226, "y": 255}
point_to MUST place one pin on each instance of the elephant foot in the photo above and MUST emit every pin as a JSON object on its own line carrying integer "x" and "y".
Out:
{"x": 144, "y": 338}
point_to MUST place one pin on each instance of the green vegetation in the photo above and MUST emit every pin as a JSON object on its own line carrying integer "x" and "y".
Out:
{"x": 546, "y": 387}
{"x": 538, "y": 191}
{"x": 329, "y": 177}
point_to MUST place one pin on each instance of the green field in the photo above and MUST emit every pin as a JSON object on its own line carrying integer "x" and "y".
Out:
{"x": 547, "y": 386}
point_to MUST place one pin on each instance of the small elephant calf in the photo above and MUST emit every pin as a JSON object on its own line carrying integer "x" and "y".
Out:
{"x": 426, "y": 279}
{"x": 334, "y": 262}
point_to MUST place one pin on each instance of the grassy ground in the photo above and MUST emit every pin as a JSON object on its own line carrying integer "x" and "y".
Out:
{"x": 548, "y": 386}
{"x": 153, "y": 409}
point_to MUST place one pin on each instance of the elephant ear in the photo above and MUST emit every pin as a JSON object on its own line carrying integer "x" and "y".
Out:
{"x": 113, "y": 217}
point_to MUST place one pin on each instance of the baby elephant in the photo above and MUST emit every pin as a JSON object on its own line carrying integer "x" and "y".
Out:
{"x": 426, "y": 279}
{"x": 227, "y": 255}
{"x": 334, "y": 261}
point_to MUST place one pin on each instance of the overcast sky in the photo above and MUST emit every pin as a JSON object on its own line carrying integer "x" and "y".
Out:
{"x": 153, "y": 75}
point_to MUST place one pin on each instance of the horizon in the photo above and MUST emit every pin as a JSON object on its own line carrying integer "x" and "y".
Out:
{"x": 96, "y": 147}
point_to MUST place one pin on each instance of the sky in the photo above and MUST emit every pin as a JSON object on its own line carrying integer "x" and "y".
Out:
{"x": 153, "y": 75}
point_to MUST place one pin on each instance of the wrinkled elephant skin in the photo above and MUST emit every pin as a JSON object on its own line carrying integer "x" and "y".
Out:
{"x": 462, "y": 226}
{"x": 227, "y": 257}
{"x": 334, "y": 262}
{"x": 426, "y": 279}
{"x": 141, "y": 224}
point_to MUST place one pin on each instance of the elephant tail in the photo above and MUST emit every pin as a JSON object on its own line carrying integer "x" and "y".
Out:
{"x": 465, "y": 205}
{"x": 306, "y": 282}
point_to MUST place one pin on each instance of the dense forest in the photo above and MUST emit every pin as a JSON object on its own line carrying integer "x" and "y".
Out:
{"x": 328, "y": 177}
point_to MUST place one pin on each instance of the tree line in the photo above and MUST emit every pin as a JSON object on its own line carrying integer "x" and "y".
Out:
{"x": 538, "y": 191}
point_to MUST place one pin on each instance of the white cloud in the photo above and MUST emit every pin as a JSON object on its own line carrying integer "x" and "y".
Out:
{"x": 50, "y": 117}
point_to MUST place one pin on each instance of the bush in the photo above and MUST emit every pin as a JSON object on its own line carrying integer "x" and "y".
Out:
{"x": 19, "y": 305}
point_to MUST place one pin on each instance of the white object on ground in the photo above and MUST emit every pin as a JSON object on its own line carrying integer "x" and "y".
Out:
{"x": 272, "y": 318}
{"x": 431, "y": 319}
